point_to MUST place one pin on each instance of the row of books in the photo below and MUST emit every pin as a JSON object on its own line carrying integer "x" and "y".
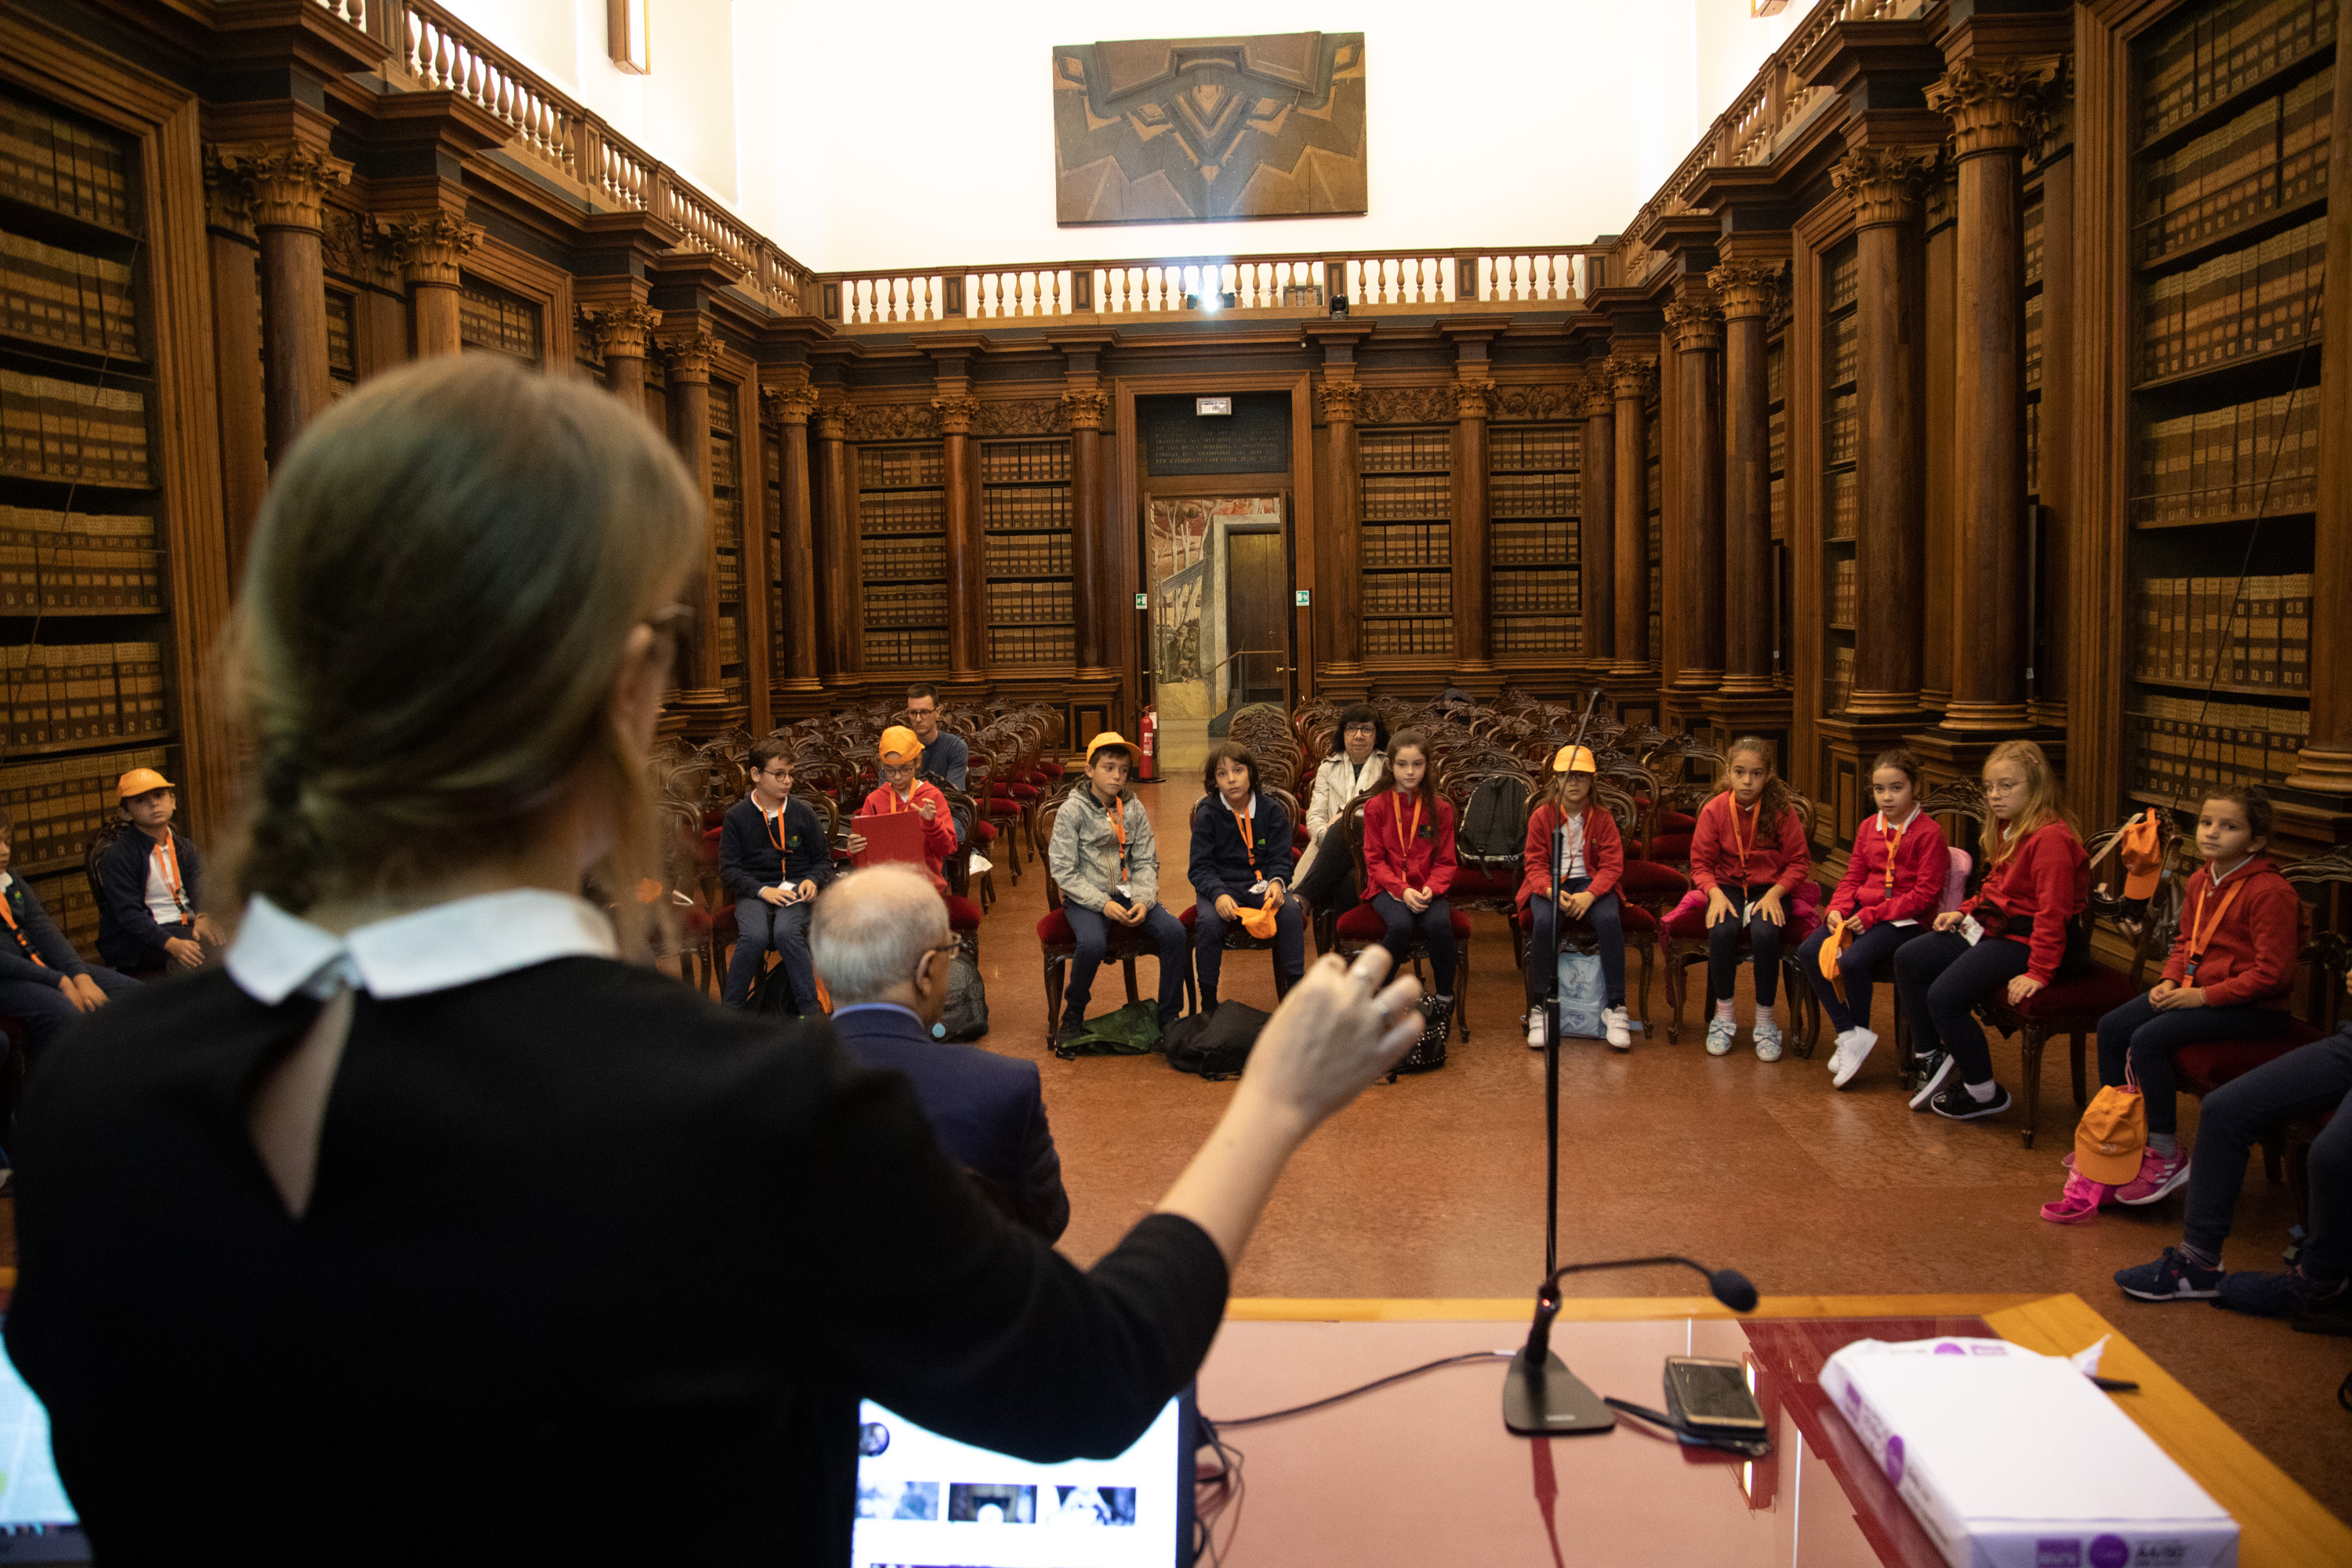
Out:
{"x": 1844, "y": 578}
{"x": 1841, "y": 504}
{"x": 1032, "y": 644}
{"x": 913, "y": 648}
{"x": 2249, "y": 301}
{"x": 1029, "y": 604}
{"x": 726, "y": 506}
{"x": 906, "y": 605}
{"x": 1562, "y": 636}
{"x": 69, "y": 694}
{"x": 1776, "y": 440}
{"x": 882, "y": 466}
{"x": 71, "y": 563}
{"x": 1404, "y": 451}
{"x": 1407, "y": 497}
{"x": 1779, "y": 507}
{"x": 1405, "y": 544}
{"x": 2230, "y": 462}
{"x": 1028, "y": 554}
{"x": 1525, "y": 543}
{"x": 1776, "y": 373}
{"x": 1842, "y": 353}
{"x": 1534, "y": 495}
{"x": 55, "y": 806}
{"x": 2032, "y": 341}
{"x": 1837, "y": 685}
{"x": 2174, "y": 746}
{"x": 1010, "y": 462}
{"x": 1416, "y": 634}
{"x": 730, "y": 577}
{"x": 1407, "y": 594}
{"x": 54, "y": 160}
{"x": 2255, "y": 637}
{"x": 731, "y": 640}
{"x": 2216, "y": 51}
{"x": 72, "y": 906}
{"x": 1840, "y": 428}
{"x": 500, "y": 323}
{"x": 2033, "y": 445}
{"x": 2271, "y": 157}
{"x": 1539, "y": 593}
{"x": 901, "y": 558}
{"x": 71, "y": 430}
{"x": 924, "y": 512}
{"x": 2034, "y": 229}
{"x": 1534, "y": 449}
{"x": 1041, "y": 506}
{"x": 58, "y": 295}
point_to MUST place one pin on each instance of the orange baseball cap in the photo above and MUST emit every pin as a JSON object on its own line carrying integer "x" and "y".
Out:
{"x": 899, "y": 746}
{"x": 2142, "y": 851}
{"x": 1109, "y": 738}
{"x": 2110, "y": 1137}
{"x": 140, "y": 781}
{"x": 1575, "y": 760}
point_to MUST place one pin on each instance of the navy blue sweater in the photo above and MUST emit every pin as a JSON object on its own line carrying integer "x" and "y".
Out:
{"x": 35, "y": 929}
{"x": 128, "y": 936}
{"x": 1220, "y": 864}
{"x": 749, "y": 859}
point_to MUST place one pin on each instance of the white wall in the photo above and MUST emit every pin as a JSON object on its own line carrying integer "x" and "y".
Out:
{"x": 921, "y": 132}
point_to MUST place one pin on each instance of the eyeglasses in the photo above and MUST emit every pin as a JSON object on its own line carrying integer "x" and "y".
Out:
{"x": 1361, "y": 730}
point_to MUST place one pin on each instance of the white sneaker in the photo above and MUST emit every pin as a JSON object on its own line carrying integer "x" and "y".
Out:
{"x": 1613, "y": 1023}
{"x": 1535, "y": 1028}
{"x": 1719, "y": 1036}
{"x": 1767, "y": 1040}
{"x": 1853, "y": 1049}
{"x": 979, "y": 863}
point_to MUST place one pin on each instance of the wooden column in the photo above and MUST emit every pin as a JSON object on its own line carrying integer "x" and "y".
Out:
{"x": 1093, "y": 614}
{"x": 791, "y": 407}
{"x": 1343, "y": 584}
{"x": 967, "y": 594}
{"x": 1696, "y": 473}
{"x": 1890, "y": 536}
{"x": 240, "y": 398}
{"x": 621, "y": 333}
{"x": 687, "y": 357}
{"x": 1746, "y": 290}
{"x": 1473, "y": 585}
{"x": 286, "y": 188}
{"x": 841, "y": 641}
{"x": 1992, "y": 109}
{"x": 430, "y": 247}
{"x": 1597, "y": 528}
{"x": 1629, "y": 377}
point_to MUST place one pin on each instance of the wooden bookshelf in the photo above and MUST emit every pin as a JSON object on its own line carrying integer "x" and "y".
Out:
{"x": 727, "y": 534}
{"x": 1406, "y": 553}
{"x": 771, "y": 479}
{"x": 1025, "y": 515}
{"x": 491, "y": 319}
{"x": 1776, "y": 434}
{"x": 2228, "y": 185}
{"x": 1654, "y": 494}
{"x": 1841, "y": 491}
{"x": 1535, "y": 504}
{"x": 903, "y": 549}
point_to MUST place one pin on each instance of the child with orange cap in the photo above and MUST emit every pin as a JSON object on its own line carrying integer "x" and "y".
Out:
{"x": 903, "y": 788}
{"x": 1594, "y": 854}
{"x": 148, "y": 881}
{"x": 44, "y": 983}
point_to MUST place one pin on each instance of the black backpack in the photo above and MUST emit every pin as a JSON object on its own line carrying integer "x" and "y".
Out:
{"x": 1494, "y": 824}
{"x": 1215, "y": 1044}
{"x": 966, "y": 1016}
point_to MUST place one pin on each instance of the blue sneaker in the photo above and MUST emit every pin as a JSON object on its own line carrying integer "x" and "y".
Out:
{"x": 2288, "y": 1294}
{"x": 2175, "y": 1277}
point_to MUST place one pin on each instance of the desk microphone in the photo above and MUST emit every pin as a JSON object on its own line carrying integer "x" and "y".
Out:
{"x": 1541, "y": 1398}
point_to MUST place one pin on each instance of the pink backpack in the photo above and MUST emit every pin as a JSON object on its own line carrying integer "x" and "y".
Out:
{"x": 1956, "y": 880}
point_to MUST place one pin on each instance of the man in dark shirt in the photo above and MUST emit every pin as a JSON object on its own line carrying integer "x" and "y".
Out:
{"x": 44, "y": 983}
{"x": 947, "y": 759}
{"x": 884, "y": 948}
{"x": 773, "y": 858}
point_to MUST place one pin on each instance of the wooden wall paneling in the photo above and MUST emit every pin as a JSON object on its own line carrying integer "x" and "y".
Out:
{"x": 1092, "y": 616}
{"x": 686, "y": 351}
{"x": 1302, "y": 537}
{"x": 791, "y": 406}
{"x": 754, "y": 635}
{"x": 1631, "y": 375}
{"x": 431, "y": 247}
{"x": 967, "y": 602}
{"x": 1693, "y": 459}
{"x": 240, "y": 400}
{"x": 1745, "y": 292}
{"x": 1472, "y": 589}
{"x": 841, "y": 650}
{"x": 1338, "y": 526}
{"x": 1672, "y": 602}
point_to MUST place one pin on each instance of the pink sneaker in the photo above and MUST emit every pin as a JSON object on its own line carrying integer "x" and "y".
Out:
{"x": 2080, "y": 1202}
{"x": 2157, "y": 1179}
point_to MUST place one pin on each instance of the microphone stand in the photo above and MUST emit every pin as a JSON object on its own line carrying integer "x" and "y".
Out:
{"x": 1551, "y": 958}
{"x": 1541, "y": 1398}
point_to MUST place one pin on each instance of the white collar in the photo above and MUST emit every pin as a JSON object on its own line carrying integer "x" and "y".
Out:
{"x": 1229, "y": 805}
{"x": 277, "y": 954}
{"x": 1901, "y": 827}
{"x": 7, "y": 881}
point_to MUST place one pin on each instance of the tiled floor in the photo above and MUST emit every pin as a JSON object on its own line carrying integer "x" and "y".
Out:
{"x": 1434, "y": 1187}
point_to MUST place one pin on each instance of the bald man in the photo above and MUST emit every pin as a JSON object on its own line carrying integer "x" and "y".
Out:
{"x": 883, "y": 949}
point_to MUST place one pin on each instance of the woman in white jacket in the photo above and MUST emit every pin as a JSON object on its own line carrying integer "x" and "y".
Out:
{"x": 1353, "y": 768}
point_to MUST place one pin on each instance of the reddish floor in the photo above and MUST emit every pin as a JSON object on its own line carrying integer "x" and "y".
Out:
{"x": 1434, "y": 1187}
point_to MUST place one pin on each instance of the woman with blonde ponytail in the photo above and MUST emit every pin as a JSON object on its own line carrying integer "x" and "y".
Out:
{"x": 428, "y": 1181}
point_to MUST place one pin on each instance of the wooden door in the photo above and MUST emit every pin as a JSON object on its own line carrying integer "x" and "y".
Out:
{"x": 1257, "y": 626}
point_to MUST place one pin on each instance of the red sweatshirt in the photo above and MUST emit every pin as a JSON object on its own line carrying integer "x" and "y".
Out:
{"x": 1780, "y": 858}
{"x": 2046, "y": 879}
{"x": 2250, "y": 956}
{"x": 938, "y": 834}
{"x": 1920, "y": 859}
{"x": 1428, "y": 863}
{"x": 1605, "y": 852}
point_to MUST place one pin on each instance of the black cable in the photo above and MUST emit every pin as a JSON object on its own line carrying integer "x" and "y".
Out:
{"x": 1365, "y": 1388}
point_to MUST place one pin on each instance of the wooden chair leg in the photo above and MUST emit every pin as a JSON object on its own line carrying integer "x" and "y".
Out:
{"x": 1676, "y": 986}
{"x": 1127, "y": 967}
{"x": 2274, "y": 1156}
{"x": 1649, "y": 965}
{"x": 1461, "y": 987}
{"x": 2032, "y": 1051}
{"x": 1053, "y": 998}
{"x": 2075, "y": 1061}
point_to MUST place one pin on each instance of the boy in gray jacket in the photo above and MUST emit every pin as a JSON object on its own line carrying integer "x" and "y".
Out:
{"x": 1104, "y": 861}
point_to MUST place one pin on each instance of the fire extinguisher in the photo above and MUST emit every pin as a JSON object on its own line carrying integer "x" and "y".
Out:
{"x": 1150, "y": 739}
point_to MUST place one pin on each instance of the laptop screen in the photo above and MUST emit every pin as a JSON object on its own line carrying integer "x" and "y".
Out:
{"x": 924, "y": 1501}
{"x": 37, "y": 1523}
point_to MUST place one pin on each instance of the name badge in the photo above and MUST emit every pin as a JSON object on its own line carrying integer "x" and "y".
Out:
{"x": 1971, "y": 930}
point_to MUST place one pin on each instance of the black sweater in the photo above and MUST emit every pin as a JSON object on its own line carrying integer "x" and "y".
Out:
{"x": 1219, "y": 863}
{"x": 749, "y": 859}
{"x": 37, "y": 932}
{"x": 591, "y": 1270}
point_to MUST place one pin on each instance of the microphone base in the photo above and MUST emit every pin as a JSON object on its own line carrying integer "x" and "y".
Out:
{"x": 1549, "y": 1401}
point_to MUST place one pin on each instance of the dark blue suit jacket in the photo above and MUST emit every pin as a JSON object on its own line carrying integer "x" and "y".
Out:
{"x": 988, "y": 1109}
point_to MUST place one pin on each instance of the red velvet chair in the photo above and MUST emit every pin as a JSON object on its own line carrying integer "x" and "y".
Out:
{"x": 1360, "y": 927}
{"x": 1059, "y": 943}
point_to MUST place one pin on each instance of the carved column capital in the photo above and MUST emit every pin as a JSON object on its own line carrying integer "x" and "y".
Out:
{"x": 1595, "y": 398}
{"x": 1994, "y": 107}
{"x": 620, "y": 330}
{"x": 1085, "y": 409}
{"x": 833, "y": 408}
{"x": 228, "y": 198}
{"x": 1628, "y": 375}
{"x": 956, "y": 414}
{"x": 1883, "y": 182}
{"x": 1745, "y": 288}
{"x": 430, "y": 245}
{"x": 1474, "y": 399}
{"x": 688, "y": 356}
{"x": 788, "y": 405}
{"x": 285, "y": 184}
{"x": 1697, "y": 328}
{"x": 1339, "y": 401}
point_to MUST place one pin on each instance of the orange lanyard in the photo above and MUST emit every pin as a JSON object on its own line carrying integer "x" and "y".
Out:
{"x": 1242, "y": 821}
{"x": 1115, "y": 812}
{"x": 775, "y": 828}
{"x": 10, "y": 916}
{"x": 171, "y": 857}
{"x": 2205, "y": 927}
{"x": 1744, "y": 846}
{"x": 1893, "y": 838}
{"x": 1406, "y": 836}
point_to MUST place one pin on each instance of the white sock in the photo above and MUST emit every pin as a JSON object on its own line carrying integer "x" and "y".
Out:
{"x": 1983, "y": 1093}
{"x": 1723, "y": 1011}
{"x": 1764, "y": 1017}
{"x": 2165, "y": 1144}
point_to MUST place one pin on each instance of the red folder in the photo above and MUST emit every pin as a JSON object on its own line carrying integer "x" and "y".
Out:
{"x": 894, "y": 836}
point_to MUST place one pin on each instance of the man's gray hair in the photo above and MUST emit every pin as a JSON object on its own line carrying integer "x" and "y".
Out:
{"x": 870, "y": 929}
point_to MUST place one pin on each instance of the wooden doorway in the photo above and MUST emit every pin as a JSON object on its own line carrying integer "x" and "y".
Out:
{"x": 1257, "y": 617}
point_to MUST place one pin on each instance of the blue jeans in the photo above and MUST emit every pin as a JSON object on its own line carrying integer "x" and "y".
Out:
{"x": 1209, "y": 929}
{"x": 1435, "y": 927}
{"x": 1862, "y": 955}
{"x": 1093, "y": 932}
{"x": 43, "y": 1010}
{"x": 2148, "y": 1035}
{"x": 1603, "y": 917}
{"x": 1763, "y": 942}
{"x": 2231, "y": 1122}
{"x": 763, "y": 925}
{"x": 1938, "y": 982}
